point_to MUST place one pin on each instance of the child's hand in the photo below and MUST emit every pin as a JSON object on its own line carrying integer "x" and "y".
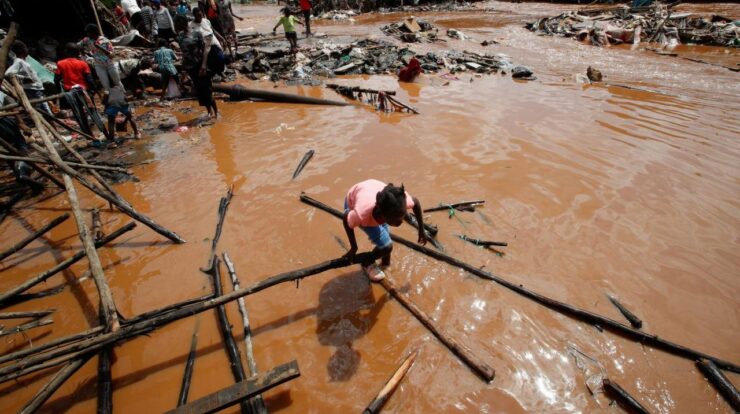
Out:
{"x": 422, "y": 238}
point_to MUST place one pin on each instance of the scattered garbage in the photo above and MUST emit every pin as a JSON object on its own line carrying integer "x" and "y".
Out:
{"x": 338, "y": 15}
{"x": 412, "y": 30}
{"x": 657, "y": 23}
{"x": 456, "y": 34}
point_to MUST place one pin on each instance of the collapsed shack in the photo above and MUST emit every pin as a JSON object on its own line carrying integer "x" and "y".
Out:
{"x": 412, "y": 30}
{"x": 367, "y": 56}
{"x": 604, "y": 27}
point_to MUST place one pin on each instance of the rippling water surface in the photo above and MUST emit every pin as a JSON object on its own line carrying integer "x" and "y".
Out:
{"x": 629, "y": 187}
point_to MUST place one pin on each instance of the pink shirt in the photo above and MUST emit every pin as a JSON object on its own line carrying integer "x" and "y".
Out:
{"x": 361, "y": 202}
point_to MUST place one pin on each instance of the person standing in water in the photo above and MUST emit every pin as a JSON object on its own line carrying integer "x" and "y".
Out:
{"x": 288, "y": 21}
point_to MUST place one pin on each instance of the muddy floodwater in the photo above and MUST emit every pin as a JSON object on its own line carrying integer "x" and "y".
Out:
{"x": 630, "y": 187}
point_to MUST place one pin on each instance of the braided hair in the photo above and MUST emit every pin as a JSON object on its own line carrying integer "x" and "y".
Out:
{"x": 391, "y": 201}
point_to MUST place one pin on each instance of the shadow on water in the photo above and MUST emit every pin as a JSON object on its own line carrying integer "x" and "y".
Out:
{"x": 347, "y": 310}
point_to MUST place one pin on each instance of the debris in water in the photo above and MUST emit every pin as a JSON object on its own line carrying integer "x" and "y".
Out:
{"x": 306, "y": 158}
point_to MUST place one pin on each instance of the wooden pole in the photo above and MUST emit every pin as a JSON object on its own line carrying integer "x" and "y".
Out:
{"x": 51, "y": 344}
{"x": 97, "y": 226}
{"x": 223, "y": 207}
{"x": 54, "y": 119}
{"x": 306, "y": 157}
{"x": 59, "y": 355}
{"x": 72, "y": 164}
{"x": 631, "y": 317}
{"x": 38, "y": 233}
{"x": 33, "y": 101}
{"x": 725, "y": 387}
{"x": 445, "y": 207}
{"x": 240, "y": 391}
{"x": 483, "y": 243}
{"x": 187, "y": 376}
{"x": 105, "y": 383}
{"x": 50, "y": 388}
{"x": 5, "y": 49}
{"x": 257, "y": 403}
{"x": 232, "y": 352}
{"x": 5, "y": 296}
{"x": 26, "y": 326}
{"x": 97, "y": 19}
{"x": 379, "y": 401}
{"x": 622, "y": 397}
{"x": 29, "y": 314}
{"x": 457, "y": 348}
{"x": 14, "y": 151}
{"x": 572, "y": 311}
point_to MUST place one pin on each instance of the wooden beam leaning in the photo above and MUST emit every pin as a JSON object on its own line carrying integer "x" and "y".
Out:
{"x": 5, "y": 296}
{"x": 379, "y": 401}
{"x": 38, "y": 233}
{"x": 457, "y": 348}
{"x": 96, "y": 268}
{"x": 58, "y": 355}
{"x": 72, "y": 164}
{"x": 562, "y": 307}
{"x": 50, "y": 388}
{"x": 5, "y": 49}
{"x": 241, "y": 391}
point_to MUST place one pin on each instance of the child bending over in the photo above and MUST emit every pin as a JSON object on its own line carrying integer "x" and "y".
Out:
{"x": 372, "y": 205}
{"x": 288, "y": 21}
{"x": 115, "y": 102}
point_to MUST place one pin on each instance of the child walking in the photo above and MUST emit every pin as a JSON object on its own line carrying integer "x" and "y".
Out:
{"x": 288, "y": 21}
{"x": 372, "y": 206}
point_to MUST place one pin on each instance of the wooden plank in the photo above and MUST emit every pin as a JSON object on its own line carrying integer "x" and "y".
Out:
{"x": 241, "y": 391}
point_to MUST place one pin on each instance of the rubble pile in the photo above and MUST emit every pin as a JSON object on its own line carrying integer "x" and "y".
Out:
{"x": 366, "y": 56}
{"x": 412, "y": 30}
{"x": 654, "y": 24}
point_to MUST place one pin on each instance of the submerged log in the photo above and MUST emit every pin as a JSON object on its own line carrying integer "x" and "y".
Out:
{"x": 631, "y": 317}
{"x": 306, "y": 158}
{"x": 25, "y": 297}
{"x": 5, "y": 296}
{"x": 622, "y": 397}
{"x": 479, "y": 242}
{"x": 241, "y": 391}
{"x": 723, "y": 385}
{"x": 257, "y": 403}
{"x": 38, "y": 233}
{"x": 53, "y": 385}
{"x": 562, "y": 307}
{"x": 232, "y": 352}
{"x": 457, "y": 206}
{"x": 379, "y": 401}
{"x": 240, "y": 93}
{"x": 26, "y": 326}
{"x": 29, "y": 314}
{"x": 457, "y": 348}
{"x": 105, "y": 383}
{"x": 58, "y": 355}
{"x": 187, "y": 376}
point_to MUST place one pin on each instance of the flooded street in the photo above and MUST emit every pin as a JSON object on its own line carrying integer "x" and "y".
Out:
{"x": 630, "y": 187}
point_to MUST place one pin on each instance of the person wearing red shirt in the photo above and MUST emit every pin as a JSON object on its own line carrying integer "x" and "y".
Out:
{"x": 73, "y": 71}
{"x": 306, "y": 10}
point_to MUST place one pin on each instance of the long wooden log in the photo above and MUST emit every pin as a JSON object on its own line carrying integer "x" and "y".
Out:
{"x": 723, "y": 385}
{"x": 257, "y": 403}
{"x": 33, "y": 101}
{"x": 5, "y": 49}
{"x": 306, "y": 157}
{"x": 631, "y": 317}
{"x": 483, "y": 243}
{"x": 622, "y": 397}
{"x": 29, "y": 314}
{"x": 14, "y": 151}
{"x": 55, "y": 120}
{"x": 187, "y": 376}
{"x": 59, "y": 355}
{"x": 379, "y": 401}
{"x": 26, "y": 326}
{"x": 96, "y": 267}
{"x": 35, "y": 235}
{"x": 105, "y": 383}
{"x": 5, "y": 296}
{"x": 457, "y": 348}
{"x": 232, "y": 352}
{"x": 169, "y": 308}
{"x": 72, "y": 164}
{"x": 358, "y": 89}
{"x": 572, "y": 311}
{"x": 240, "y": 93}
{"x": 445, "y": 207}
{"x": 53, "y": 385}
{"x": 25, "y": 297}
{"x": 241, "y": 391}
{"x": 223, "y": 207}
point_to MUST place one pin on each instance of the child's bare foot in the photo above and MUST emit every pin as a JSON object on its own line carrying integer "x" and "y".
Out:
{"x": 137, "y": 135}
{"x": 374, "y": 273}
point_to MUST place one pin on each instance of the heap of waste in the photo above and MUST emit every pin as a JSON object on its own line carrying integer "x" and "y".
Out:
{"x": 411, "y": 30}
{"x": 362, "y": 57}
{"x": 652, "y": 24}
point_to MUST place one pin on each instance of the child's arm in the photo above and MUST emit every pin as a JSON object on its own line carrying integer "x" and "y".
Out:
{"x": 274, "y": 29}
{"x": 351, "y": 236}
{"x": 420, "y": 219}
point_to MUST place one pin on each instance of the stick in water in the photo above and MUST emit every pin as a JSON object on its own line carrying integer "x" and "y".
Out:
{"x": 182, "y": 399}
{"x": 631, "y": 317}
{"x": 479, "y": 242}
{"x": 623, "y": 398}
{"x": 377, "y": 404}
{"x": 23, "y": 243}
{"x": 306, "y": 158}
{"x": 721, "y": 383}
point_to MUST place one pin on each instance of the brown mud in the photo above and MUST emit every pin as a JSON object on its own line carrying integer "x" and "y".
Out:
{"x": 596, "y": 188}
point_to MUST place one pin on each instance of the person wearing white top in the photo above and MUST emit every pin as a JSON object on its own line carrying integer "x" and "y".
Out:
{"x": 131, "y": 8}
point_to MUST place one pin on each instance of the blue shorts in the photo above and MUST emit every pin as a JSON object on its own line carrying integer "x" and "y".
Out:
{"x": 380, "y": 236}
{"x": 112, "y": 111}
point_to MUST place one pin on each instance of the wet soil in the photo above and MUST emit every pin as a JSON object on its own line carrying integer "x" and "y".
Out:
{"x": 627, "y": 187}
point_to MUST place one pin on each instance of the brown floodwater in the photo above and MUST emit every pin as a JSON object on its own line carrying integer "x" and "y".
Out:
{"x": 597, "y": 189}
